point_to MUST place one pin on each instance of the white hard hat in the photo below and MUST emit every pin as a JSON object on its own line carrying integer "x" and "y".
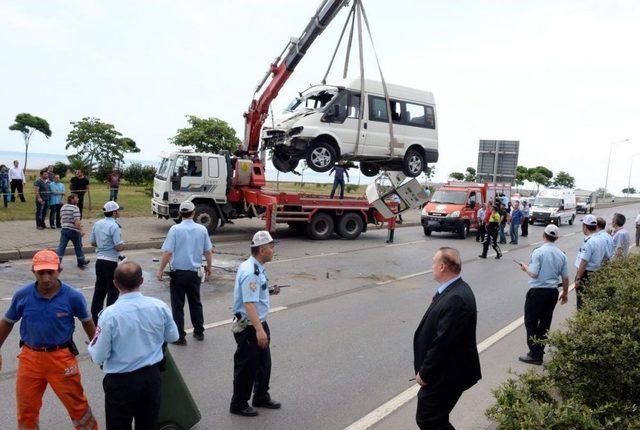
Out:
{"x": 110, "y": 206}
{"x": 262, "y": 237}
{"x": 187, "y": 207}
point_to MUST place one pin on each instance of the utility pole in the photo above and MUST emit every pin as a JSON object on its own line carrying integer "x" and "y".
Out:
{"x": 606, "y": 181}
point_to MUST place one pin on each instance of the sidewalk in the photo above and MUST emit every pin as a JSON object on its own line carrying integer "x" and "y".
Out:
{"x": 497, "y": 362}
{"x": 21, "y": 239}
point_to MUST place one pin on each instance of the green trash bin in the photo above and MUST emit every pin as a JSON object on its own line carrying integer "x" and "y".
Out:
{"x": 178, "y": 410}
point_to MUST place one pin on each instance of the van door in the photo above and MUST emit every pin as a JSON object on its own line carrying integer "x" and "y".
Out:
{"x": 189, "y": 169}
{"x": 343, "y": 118}
{"x": 377, "y": 142}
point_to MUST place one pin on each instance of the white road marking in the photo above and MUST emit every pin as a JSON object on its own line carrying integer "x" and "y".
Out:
{"x": 569, "y": 234}
{"x": 403, "y": 244}
{"x": 410, "y": 393}
{"x": 402, "y": 278}
{"x": 287, "y": 260}
{"x": 229, "y": 321}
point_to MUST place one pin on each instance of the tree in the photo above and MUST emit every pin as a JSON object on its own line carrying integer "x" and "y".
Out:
{"x": 470, "y": 175}
{"x": 602, "y": 193}
{"x": 522, "y": 174}
{"x": 60, "y": 169}
{"x": 26, "y": 124}
{"x": 563, "y": 179}
{"x": 540, "y": 175}
{"x": 206, "y": 135}
{"x": 458, "y": 176}
{"x": 98, "y": 143}
{"x": 430, "y": 172}
{"x": 540, "y": 179}
{"x": 628, "y": 190}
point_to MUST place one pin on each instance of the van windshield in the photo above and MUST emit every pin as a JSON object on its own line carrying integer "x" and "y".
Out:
{"x": 451, "y": 197}
{"x": 316, "y": 98}
{"x": 163, "y": 170}
{"x": 547, "y": 202}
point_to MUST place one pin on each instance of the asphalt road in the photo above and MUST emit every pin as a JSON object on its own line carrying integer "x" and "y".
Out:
{"x": 342, "y": 338}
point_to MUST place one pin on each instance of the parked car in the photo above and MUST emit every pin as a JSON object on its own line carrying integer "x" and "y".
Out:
{"x": 321, "y": 127}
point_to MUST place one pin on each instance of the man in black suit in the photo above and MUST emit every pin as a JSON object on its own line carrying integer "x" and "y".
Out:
{"x": 444, "y": 346}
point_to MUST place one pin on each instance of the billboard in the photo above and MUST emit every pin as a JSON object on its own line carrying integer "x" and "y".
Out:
{"x": 497, "y": 161}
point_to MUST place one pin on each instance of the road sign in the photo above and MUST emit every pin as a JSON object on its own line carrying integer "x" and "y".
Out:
{"x": 497, "y": 161}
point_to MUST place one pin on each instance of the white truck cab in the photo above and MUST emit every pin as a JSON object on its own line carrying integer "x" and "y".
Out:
{"x": 321, "y": 126}
{"x": 197, "y": 177}
{"x": 554, "y": 205}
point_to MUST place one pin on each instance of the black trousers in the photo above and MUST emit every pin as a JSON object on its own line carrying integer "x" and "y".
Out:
{"x": 80, "y": 195}
{"x": 581, "y": 289}
{"x": 491, "y": 237}
{"x": 251, "y": 368}
{"x": 104, "y": 287}
{"x": 16, "y": 184}
{"x": 434, "y": 407}
{"x": 480, "y": 232}
{"x": 132, "y": 396}
{"x": 181, "y": 283}
{"x": 538, "y": 312}
{"x": 525, "y": 226}
{"x": 54, "y": 215}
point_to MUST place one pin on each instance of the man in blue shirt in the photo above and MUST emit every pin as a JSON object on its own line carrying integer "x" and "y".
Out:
{"x": 338, "y": 180}
{"x": 621, "y": 238}
{"x": 547, "y": 269}
{"x": 516, "y": 220}
{"x": 526, "y": 211}
{"x": 605, "y": 238}
{"x": 590, "y": 256}
{"x": 46, "y": 310}
{"x": 128, "y": 345}
{"x": 252, "y": 360}
{"x": 184, "y": 247}
{"x": 106, "y": 237}
{"x": 56, "y": 194}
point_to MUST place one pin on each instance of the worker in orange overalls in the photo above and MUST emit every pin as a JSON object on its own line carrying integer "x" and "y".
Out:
{"x": 47, "y": 309}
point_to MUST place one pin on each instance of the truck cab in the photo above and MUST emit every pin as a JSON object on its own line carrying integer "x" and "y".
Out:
{"x": 454, "y": 208}
{"x": 197, "y": 177}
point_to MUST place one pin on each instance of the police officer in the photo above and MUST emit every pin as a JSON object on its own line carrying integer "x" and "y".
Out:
{"x": 590, "y": 255}
{"x": 184, "y": 247}
{"x": 603, "y": 235}
{"x": 106, "y": 237}
{"x": 252, "y": 360}
{"x": 128, "y": 345}
{"x": 548, "y": 268}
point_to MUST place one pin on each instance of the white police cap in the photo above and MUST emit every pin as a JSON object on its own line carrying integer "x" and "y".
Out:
{"x": 262, "y": 237}
{"x": 187, "y": 207}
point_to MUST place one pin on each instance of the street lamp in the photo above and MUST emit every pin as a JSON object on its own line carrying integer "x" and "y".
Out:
{"x": 630, "y": 168}
{"x": 606, "y": 181}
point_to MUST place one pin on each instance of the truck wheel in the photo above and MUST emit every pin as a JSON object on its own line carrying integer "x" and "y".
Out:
{"x": 573, "y": 217}
{"x": 170, "y": 426}
{"x": 427, "y": 231}
{"x": 350, "y": 225}
{"x": 369, "y": 169}
{"x": 463, "y": 231}
{"x": 207, "y": 216}
{"x": 283, "y": 162}
{"x": 321, "y": 156}
{"x": 320, "y": 227}
{"x": 412, "y": 163}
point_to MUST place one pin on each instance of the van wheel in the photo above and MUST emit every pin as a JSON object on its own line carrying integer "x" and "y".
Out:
{"x": 284, "y": 162}
{"x": 321, "y": 156}
{"x": 369, "y": 169}
{"x": 320, "y": 227}
{"x": 350, "y": 225}
{"x": 413, "y": 163}
{"x": 573, "y": 217}
{"x": 207, "y": 216}
{"x": 427, "y": 231}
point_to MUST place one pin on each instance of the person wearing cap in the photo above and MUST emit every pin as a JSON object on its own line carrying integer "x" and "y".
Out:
{"x": 591, "y": 254}
{"x": 46, "y": 310}
{"x": 107, "y": 239}
{"x": 128, "y": 345}
{"x": 252, "y": 359}
{"x": 604, "y": 237}
{"x": 184, "y": 247}
{"x": 547, "y": 269}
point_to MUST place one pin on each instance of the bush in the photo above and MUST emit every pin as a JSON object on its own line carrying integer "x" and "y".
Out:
{"x": 137, "y": 174}
{"x": 595, "y": 361}
{"x": 60, "y": 169}
{"x": 349, "y": 188}
{"x": 100, "y": 174}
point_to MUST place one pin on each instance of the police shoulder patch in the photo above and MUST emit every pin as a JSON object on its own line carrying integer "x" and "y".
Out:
{"x": 253, "y": 286}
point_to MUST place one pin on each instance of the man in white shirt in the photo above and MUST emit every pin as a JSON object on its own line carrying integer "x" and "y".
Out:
{"x": 16, "y": 176}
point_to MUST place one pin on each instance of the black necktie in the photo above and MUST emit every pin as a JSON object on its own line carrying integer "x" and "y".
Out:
{"x": 435, "y": 296}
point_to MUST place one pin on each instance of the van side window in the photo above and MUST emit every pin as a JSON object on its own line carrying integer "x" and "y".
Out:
{"x": 431, "y": 117}
{"x": 378, "y": 109}
{"x": 416, "y": 114}
{"x": 353, "y": 110}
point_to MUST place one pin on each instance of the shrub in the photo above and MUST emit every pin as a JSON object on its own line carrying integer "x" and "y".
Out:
{"x": 60, "y": 169}
{"x": 594, "y": 364}
{"x": 100, "y": 174}
{"x": 137, "y": 174}
{"x": 349, "y": 188}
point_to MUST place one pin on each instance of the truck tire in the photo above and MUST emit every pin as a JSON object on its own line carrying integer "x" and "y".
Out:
{"x": 463, "y": 231}
{"x": 427, "y": 231}
{"x": 369, "y": 169}
{"x": 320, "y": 227}
{"x": 283, "y": 162}
{"x": 413, "y": 163}
{"x": 207, "y": 216}
{"x": 321, "y": 156}
{"x": 350, "y": 225}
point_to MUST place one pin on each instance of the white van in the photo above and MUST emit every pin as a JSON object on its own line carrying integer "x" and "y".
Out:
{"x": 556, "y": 205}
{"x": 321, "y": 126}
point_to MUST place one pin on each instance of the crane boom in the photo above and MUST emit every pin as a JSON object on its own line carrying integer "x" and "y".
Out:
{"x": 281, "y": 68}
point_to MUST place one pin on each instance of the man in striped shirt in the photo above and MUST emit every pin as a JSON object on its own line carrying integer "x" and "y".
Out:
{"x": 70, "y": 217}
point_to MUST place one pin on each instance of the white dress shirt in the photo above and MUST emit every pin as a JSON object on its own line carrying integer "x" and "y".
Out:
{"x": 16, "y": 173}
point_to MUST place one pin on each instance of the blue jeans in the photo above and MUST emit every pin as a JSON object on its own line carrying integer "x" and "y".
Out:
{"x": 66, "y": 235}
{"x": 113, "y": 194}
{"x": 513, "y": 232}
{"x": 336, "y": 183}
{"x": 41, "y": 213}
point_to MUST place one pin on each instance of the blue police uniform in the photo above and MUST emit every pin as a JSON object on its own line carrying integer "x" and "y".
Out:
{"x": 128, "y": 344}
{"x": 550, "y": 265}
{"x": 106, "y": 235}
{"x": 252, "y": 364}
{"x": 187, "y": 242}
{"x": 594, "y": 250}
{"x": 607, "y": 242}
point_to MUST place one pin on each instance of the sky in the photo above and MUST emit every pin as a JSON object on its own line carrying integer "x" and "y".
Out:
{"x": 559, "y": 76}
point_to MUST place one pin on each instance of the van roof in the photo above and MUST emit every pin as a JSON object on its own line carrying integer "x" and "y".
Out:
{"x": 397, "y": 91}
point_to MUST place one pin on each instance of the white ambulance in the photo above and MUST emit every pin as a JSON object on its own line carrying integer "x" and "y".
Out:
{"x": 554, "y": 205}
